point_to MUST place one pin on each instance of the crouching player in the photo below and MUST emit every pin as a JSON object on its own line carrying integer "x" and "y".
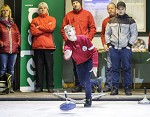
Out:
{"x": 85, "y": 56}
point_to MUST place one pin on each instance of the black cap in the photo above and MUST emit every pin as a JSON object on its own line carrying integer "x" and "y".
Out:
{"x": 121, "y": 4}
{"x": 80, "y": 1}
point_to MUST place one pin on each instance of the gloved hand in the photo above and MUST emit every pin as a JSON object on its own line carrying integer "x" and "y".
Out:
{"x": 128, "y": 47}
{"x": 67, "y": 54}
{"x": 109, "y": 45}
{"x": 94, "y": 69}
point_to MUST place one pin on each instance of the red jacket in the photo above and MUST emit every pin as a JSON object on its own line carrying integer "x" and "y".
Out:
{"x": 104, "y": 23}
{"x": 83, "y": 22}
{"x": 42, "y": 28}
{"x": 9, "y": 39}
{"x": 82, "y": 50}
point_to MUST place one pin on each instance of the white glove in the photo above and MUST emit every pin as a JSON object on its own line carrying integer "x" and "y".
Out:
{"x": 67, "y": 54}
{"x": 94, "y": 69}
{"x": 128, "y": 47}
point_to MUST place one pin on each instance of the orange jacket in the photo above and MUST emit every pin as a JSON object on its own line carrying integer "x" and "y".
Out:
{"x": 104, "y": 23}
{"x": 9, "y": 39}
{"x": 83, "y": 22}
{"x": 42, "y": 28}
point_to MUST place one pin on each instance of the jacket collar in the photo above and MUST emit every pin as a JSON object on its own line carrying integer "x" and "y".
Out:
{"x": 123, "y": 16}
{"x": 43, "y": 15}
{"x": 77, "y": 12}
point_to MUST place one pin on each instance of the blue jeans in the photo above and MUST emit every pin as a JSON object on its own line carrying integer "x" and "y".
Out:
{"x": 84, "y": 75}
{"x": 121, "y": 59}
{"x": 109, "y": 73}
{"x": 7, "y": 62}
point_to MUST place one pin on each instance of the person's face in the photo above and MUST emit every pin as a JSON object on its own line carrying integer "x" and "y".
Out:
{"x": 70, "y": 33}
{"x": 43, "y": 10}
{"x": 111, "y": 10}
{"x": 76, "y": 5}
{"x": 5, "y": 12}
{"x": 121, "y": 10}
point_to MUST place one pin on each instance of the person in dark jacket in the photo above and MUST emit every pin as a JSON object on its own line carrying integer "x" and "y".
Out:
{"x": 9, "y": 43}
{"x": 84, "y": 24}
{"x": 121, "y": 33}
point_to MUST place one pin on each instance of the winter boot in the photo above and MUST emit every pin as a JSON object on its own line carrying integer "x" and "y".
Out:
{"x": 77, "y": 89}
{"x": 97, "y": 84}
{"x": 7, "y": 78}
{"x": 128, "y": 91}
{"x": 114, "y": 91}
{"x": 88, "y": 103}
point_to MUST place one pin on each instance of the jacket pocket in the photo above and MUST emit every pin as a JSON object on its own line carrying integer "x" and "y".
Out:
{"x": 114, "y": 26}
{"x": 125, "y": 28}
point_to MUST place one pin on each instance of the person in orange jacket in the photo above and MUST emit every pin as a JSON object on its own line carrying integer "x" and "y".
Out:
{"x": 42, "y": 28}
{"x": 111, "y": 8}
{"x": 84, "y": 24}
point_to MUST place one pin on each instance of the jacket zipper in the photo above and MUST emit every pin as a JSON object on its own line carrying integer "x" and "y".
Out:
{"x": 119, "y": 31}
{"x": 10, "y": 39}
{"x": 118, "y": 34}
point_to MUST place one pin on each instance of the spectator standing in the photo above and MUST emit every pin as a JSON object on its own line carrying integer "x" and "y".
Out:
{"x": 9, "y": 43}
{"x": 42, "y": 28}
{"x": 111, "y": 8}
{"x": 84, "y": 24}
{"x": 121, "y": 33}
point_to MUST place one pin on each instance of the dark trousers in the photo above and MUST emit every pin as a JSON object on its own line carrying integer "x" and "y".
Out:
{"x": 121, "y": 59}
{"x": 44, "y": 59}
{"x": 109, "y": 73}
{"x": 84, "y": 75}
{"x": 77, "y": 83}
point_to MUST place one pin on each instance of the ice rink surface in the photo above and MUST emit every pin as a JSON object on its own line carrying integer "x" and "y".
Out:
{"x": 51, "y": 109}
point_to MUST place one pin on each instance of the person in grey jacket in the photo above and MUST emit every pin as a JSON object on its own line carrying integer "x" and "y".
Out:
{"x": 121, "y": 33}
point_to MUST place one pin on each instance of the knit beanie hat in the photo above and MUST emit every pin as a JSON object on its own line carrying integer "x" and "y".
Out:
{"x": 80, "y": 1}
{"x": 43, "y": 4}
{"x": 121, "y": 4}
